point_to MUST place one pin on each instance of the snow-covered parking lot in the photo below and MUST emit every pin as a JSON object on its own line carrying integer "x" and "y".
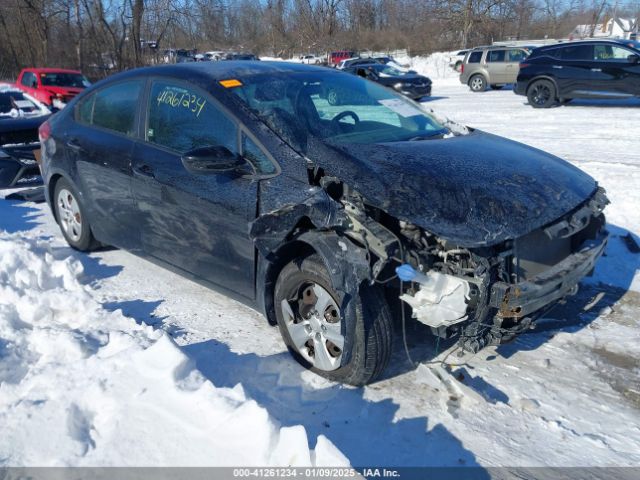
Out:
{"x": 123, "y": 362}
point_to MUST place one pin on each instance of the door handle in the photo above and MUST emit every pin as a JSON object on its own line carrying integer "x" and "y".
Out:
{"x": 144, "y": 170}
{"x": 596, "y": 69}
{"x": 74, "y": 145}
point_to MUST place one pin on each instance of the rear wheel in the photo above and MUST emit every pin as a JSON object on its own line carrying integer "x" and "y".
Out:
{"x": 477, "y": 83}
{"x": 541, "y": 94}
{"x": 313, "y": 327}
{"x": 71, "y": 217}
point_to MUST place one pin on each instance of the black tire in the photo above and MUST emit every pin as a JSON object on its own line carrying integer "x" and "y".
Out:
{"x": 542, "y": 94}
{"x": 85, "y": 240}
{"x": 477, "y": 83}
{"x": 496, "y": 87}
{"x": 372, "y": 345}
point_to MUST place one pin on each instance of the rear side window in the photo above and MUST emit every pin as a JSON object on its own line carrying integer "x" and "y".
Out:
{"x": 576, "y": 52}
{"x": 113, "y": 108}
{"x": 182, "y": 118}
{"x": 474, "y": 57}
{"x": 495, "y": 56}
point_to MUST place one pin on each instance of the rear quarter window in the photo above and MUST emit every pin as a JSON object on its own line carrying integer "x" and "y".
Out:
{"x": 474, "y": 57}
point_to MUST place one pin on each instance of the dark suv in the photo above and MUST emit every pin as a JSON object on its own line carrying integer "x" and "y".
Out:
{"x": 588, "y": 69}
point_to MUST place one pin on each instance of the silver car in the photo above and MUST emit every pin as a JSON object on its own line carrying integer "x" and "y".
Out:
{"x": 492, "y": 66}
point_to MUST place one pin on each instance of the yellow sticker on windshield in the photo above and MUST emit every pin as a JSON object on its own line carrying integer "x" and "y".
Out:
{"x": 231, "y": 83}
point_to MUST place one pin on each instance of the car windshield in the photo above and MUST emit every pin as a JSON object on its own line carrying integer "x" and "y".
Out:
{"x": 337, "y": 108}
{"x": 14, "y": 104}
{"x": 64, "y": 79}
{"x": 388, "y": 71}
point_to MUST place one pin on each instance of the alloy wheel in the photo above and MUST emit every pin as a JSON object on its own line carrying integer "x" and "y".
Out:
{"x": 69, "y": 213}
{"x": 314, "y": 324}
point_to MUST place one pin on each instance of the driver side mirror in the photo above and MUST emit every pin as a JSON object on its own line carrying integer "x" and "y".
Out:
{"x": 211, "y": 160}
{"x": 633, "y": 58}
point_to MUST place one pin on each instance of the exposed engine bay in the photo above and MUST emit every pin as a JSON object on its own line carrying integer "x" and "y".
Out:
{"x": 481, "y": 295}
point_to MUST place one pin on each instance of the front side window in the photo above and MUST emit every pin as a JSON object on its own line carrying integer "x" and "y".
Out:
{"x": 182, "y": 119}
{"x": 256, "y": 157}
{"x": 495, "y": 56}
{"x": 64, "y": 79}
{"x": 611, "y": 53}
{"x": 113, "y": 107}
{"x": 516, "y": 55}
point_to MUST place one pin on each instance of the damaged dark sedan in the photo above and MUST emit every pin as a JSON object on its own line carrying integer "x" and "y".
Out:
{"x": 242, "y": 176}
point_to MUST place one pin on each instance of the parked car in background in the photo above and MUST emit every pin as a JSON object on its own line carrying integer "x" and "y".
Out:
{"x": 411, "y": 85}
{"x": 455, "y": 61}
{"x": 20, "y": 117}
{"x": 215, "y": 55}
{"x": 311, "y": 59}
{"x": 334, "y": 58}
{"x": 241, "y": 56}
{"x": 491, "y": 67}
{"x": 54, "y": 87}
{"x": 585, "y": 69}
{"x": 352, "y": 62}
{"x": 252, "y": 183}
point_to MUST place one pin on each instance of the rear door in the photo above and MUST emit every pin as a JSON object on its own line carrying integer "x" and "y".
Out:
{"x": 100, "y": 143}
{"x": 570, "y": 65}
{"x": 615, "y": 70}
{"x": 197, "y": 222}
{"x": 496, "y": 66}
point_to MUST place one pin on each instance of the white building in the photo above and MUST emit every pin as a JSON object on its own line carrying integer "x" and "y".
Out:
{"x": 611, "y": 28}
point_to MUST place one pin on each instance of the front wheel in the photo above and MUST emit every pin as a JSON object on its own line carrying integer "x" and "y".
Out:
{"x": 541, "y": 94}
{"x": 72, "y": 218}
{"x": 332, "y": 98}
{"x": 313, "y": 327}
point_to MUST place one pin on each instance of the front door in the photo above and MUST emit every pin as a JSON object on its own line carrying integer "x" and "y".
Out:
{"x": 615, "y": 70}
{"x": 197, "y": 222}
{"x": 512, "y": 64}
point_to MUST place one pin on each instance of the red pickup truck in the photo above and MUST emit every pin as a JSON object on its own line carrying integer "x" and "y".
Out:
{"x": 54, "y": 87}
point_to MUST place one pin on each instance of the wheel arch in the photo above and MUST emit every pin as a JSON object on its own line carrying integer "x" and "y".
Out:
{"x": 543, "y": 77}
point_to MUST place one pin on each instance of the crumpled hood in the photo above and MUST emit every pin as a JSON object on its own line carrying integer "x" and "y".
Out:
{"x": 473, "y": 190}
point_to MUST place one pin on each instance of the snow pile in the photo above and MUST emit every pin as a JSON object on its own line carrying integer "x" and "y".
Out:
{"x": 81, "y": 385}
{"x": 435, "y": 66}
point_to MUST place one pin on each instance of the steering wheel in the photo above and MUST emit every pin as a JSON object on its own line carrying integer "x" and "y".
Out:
{"x": 346, "y": 113}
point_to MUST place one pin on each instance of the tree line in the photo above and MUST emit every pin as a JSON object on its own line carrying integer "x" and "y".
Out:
{"x": 100, "y": 36}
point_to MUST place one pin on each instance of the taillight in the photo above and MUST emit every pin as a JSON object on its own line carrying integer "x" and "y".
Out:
{"x": 44, "y": 132}
{"x": 462, "y": 68}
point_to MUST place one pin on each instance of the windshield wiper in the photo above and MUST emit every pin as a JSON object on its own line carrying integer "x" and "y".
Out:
{"x": 438, "y": 134}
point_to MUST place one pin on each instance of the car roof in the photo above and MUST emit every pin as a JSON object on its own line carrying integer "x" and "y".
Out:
{"x": 216, "y": 71}
{"x": 52, "y": 70}
{"x": 590, "y": 41}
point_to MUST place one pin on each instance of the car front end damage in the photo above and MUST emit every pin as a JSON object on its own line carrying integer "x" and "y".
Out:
{"x": 483, "y": 295}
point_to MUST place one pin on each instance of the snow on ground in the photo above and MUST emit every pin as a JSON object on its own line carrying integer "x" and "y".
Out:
{"x": 87, "y": 364}
{"x": 84, "y": 385}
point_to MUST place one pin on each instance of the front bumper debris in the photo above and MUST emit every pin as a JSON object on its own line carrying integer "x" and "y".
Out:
{"x": 521, "y": 299}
